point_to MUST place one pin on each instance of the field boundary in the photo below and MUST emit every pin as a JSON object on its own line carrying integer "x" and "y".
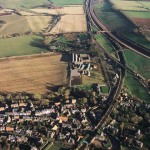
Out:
{"x": 28, "y": 56}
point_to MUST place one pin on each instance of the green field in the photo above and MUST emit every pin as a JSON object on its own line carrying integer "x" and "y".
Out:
{"x": 137, "y": 14}
{"x": 104, "y": 43}
{"x": 24, "y": 45}
{"x": 67, "y": 2}
{"x": 138, "y": 63}
{"x": 22, "y": 4}
{"x": 136, "y": 88}
{"x": 130, "y": 5}
{"x": 111, "y": 18}
{"x": 137, "y": 38}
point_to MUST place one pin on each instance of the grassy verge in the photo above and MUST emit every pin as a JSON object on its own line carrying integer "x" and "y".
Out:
{"x": 104, "y": 43}
{"x": 23, "y": 45}
{"x": 139, "y": 64}
{"x": 135, "y": 88}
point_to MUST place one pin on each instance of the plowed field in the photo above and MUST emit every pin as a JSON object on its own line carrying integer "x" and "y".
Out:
{"x": 34, "y": 74}
{"x": 70, "y": 23}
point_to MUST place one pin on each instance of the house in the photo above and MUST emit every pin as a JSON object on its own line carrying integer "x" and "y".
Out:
{"x": 14, "y": 105}
{"x": 22, "y": 104}
{"x": 9, "y": 129}
{"x": 55, "y": 128}
{"x": 63, "y": 118}
{"x": 2, "y": 109}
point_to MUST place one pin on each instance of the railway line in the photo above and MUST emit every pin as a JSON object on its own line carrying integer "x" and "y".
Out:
{"x": 113, "y": 35}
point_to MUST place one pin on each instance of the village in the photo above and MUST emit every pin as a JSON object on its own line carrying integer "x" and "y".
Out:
{"x": 69, "y": 120}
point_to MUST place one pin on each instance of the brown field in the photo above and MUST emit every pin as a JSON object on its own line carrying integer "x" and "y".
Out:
{"x": 78, "y": 10}
{"x": 34, "y": 74}
{"x": 38, "y": 23}
{"x": 14, "y": 24}
{"x": 70, "y": 23}
{"x": 142, "y": 21}
{"x": 26, "y": 13}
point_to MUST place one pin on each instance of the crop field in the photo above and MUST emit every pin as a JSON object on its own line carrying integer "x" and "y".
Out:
{"x": 22, "y": 4}
{"x": 38, "y": 23}
{"x": 136, "y": 89}
{"x": 139, "y": 64}
{"x": 130, "y": 5}
{"x": 70, "y": 10}
{"x": 70, "y": 23}
{"x": 23, "y": 45}
{"x": 14, "y": 24}
{"x": 142, "y": 21}
{"x": 34, "y": 74}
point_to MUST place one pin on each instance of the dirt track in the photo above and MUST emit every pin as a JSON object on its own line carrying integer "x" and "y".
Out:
{"x": 32, "y": 74}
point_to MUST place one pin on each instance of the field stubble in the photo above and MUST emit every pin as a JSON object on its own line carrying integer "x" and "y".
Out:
{"x": 32, "y": 74}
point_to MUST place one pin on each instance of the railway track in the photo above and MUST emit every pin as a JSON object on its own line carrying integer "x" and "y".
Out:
{"x": 115, "y": 36}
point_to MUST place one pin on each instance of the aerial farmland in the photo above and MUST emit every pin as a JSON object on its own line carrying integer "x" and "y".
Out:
{"x": 35, "y": 74}
{"x": 74, "y": 74}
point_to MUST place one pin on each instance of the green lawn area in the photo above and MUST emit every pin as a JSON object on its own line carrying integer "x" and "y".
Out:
{"x": 105, "y": 89}
{"x": 111, "y": 18}
{"x": 137, "y": 14}
{"x": 138, "y": 63}
{"x": 67, "y": 2}
{"x": 23, "y": 45}
{"x": 63, "y": 40}
{"x": 136, "y": 88}
{"x": 22, "y": 4}
{"x": 104, "y": 43}
{"x": 96, "y": 77}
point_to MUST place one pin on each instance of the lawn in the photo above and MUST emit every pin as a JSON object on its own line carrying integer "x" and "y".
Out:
{"x": 67, "y": 2}
{"x": 136, "y": 89}
{"x": 139, "y": 64}
{"x": 104, "y": 43}
{"x": 22, "y": 4}
{"x": 24, "y": 45}
{"x": 96, "y": 77}
{"x": 105, "y": 89}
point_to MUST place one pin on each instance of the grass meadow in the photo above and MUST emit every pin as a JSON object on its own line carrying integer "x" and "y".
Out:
{"x": 23, "y": 45}
{"x": 139, "y": 64}
{"x": 22, "y": 4}
{"x": 136, "y": 89}
{"x": 67, "y": 2}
